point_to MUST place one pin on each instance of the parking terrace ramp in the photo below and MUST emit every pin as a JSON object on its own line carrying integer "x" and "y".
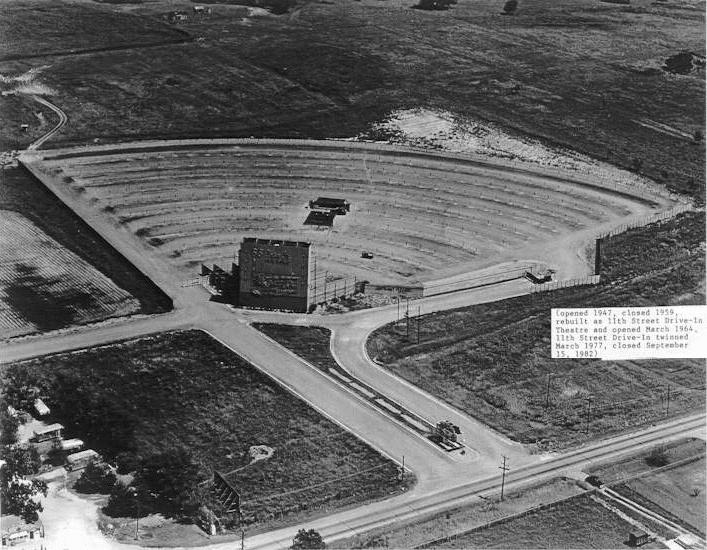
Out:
{"x": 424, "y": 216}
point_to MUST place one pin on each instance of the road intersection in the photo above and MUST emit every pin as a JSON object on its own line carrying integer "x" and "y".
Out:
{"x": 443, "y": 480}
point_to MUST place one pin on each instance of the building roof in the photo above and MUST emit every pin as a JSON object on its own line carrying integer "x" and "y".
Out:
{"x": 40, "y": 407}
{"x": 329, "y": 202}
{"x": 88, "y": 453}
{"x": 275, "y": 242}
{"x": 15, "y": 524}
{"x": 69, "y": 444}
{"x": 47, "y": 429}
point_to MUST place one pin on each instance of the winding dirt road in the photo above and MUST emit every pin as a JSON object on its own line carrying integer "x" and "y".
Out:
{"x": 62, "y": 122}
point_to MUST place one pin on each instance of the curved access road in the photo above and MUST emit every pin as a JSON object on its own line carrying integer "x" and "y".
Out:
{"x": 36, "y": 144}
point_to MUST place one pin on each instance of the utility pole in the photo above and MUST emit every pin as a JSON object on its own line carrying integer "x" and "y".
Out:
{"x": 504, "y": 469}
{"x": 547, "y": 393}
{"x": 589, "y": 410}
{"x": 667, "y": 410}
{"x": 418, "y": 324}
{"x": 242, "y": 539}
{"x": 407, "y": 318}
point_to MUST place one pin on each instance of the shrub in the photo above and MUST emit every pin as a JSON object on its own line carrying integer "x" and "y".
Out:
{"x": 435, "y": 4}
{"x": 127, "y": 462}
{"x": 96, "y": 478}
{"x": 308, "y": 540}
{"x": 510, "y": 7}
{"x": 658, "y": 457}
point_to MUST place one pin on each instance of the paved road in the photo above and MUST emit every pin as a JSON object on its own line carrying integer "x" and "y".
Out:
{"x": 442, "y": 480}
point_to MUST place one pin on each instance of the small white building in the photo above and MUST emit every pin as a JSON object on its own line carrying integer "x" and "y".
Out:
{"x": 78, "y": 461}
{"x": 41, "y": 408}
{"x": 71, "y": 445}
{"x": 15, "y": 531}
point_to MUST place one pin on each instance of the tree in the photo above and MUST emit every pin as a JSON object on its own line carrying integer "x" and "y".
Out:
{"x": 510, "y": 7}
{"x": 122, "y": 502}
{"x": 308, "y": 540}
{"x": 698, "y": 136}
{"x": 168, "y": 482}
{"x": 8, "y": 426}
{"x": 96, "y": 478}
{"x": 18, "y": 497}
{"x": 22, "y": 461}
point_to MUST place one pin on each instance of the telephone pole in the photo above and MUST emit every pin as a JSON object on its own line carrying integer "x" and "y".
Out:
{"x": 418, "y": 324}
{"x": 503, "y": 469}
{"x": 589, "y": 410}
{"x": 667, "y": 410}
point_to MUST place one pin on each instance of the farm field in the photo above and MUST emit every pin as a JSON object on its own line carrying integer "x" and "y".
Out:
{"x": 80, "y": 249}
{"x": 44, "y": 286}
{"x": 579, "y": 522}
{"x": 421, "y": 215}
{"x": 337, "y": 69}
{"x": 136, "y": 398}
{"x": 492, "y": 361}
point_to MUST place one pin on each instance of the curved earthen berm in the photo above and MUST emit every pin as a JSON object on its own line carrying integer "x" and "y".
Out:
{"x": 425, "y": 216}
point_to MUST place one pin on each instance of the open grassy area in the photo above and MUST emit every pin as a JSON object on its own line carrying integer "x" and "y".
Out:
{"x": 29, "y": 29}
{"x": 493, "y": 360}
{"x": 22, "y": 193}
{"x": 146, "y": 396}
{"x": 579, "y": 522}
{"x": 587, "y": 75}
{"x": 423, "y": 530}
{"x": 677, "y": 493}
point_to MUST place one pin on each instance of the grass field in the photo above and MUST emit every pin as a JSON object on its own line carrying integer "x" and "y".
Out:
{"x": 426, "y": 529}
{"x": 334, "y": 68}
{"x": 45, "y": 286}
{"x": 22, "y": 194}
{"x": 472, "y": 524}
{"x": 422, "y": 216}
{"x": 677, "y": 493}
{"x": 184, "y": 389}
{"x": 579, "y": 522}
{"x": 493, "y": 360}
{"x": 66, "y": 28}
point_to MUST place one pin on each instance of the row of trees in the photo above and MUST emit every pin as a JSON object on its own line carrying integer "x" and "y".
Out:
{"x": 18, "y": 493}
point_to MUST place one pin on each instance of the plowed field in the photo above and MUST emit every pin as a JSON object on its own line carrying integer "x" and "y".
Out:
{"x": 44, "y": 286}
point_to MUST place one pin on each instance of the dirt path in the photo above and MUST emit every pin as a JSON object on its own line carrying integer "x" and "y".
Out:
{"x": 62, "y": 121}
